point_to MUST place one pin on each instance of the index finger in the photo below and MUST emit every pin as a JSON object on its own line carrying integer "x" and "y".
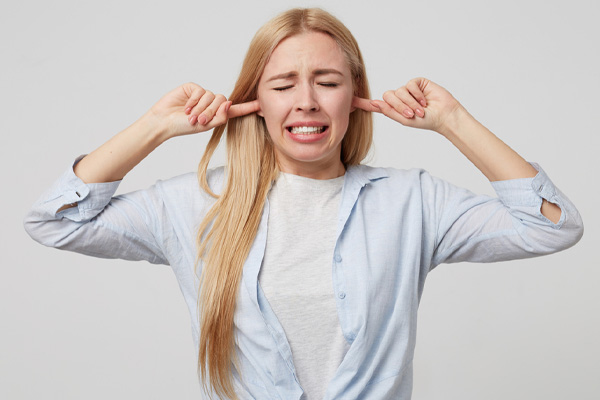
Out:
{"x": 239, "y": 110}
{"x": 364, "y": 104}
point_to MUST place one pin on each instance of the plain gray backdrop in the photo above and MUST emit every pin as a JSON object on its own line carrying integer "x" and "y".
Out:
{"x": 74, "y": 73}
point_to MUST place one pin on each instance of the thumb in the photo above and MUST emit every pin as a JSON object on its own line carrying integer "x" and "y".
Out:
{"x": 364, "y": 104}
{"x": 239, "y": 110}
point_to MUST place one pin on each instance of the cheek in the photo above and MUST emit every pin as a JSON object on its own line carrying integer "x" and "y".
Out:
{"x": 274, "y": 111}
{"x": 264, "y": 101}
{"x": 340, "y": 106}
{"x": 273, "y": 116}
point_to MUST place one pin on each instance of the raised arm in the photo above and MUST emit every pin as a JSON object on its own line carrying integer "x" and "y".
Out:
{"x": 185, "y": 110}
{"x": 425, "y": 105}
{"x": 80, "y": 213}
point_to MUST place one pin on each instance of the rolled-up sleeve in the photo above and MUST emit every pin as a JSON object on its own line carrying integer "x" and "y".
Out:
{"x": 485, "y": 229}
{"x": 97, "y": 224}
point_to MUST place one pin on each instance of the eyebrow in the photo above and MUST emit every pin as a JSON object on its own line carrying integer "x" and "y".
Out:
{"x": 293, "y": 74}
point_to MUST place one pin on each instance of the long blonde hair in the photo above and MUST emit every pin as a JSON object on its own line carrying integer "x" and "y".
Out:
{"x": 229, "y": 228}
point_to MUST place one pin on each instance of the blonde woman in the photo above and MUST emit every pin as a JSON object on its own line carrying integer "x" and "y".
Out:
{"x": 304, "y": 268}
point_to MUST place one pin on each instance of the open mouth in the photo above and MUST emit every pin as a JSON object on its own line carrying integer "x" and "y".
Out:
{"x": 306, "y": 130}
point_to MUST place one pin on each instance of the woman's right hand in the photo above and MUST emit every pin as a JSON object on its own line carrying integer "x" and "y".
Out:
{"x": 192, "y": 109}
{"x": 184, "y": 110}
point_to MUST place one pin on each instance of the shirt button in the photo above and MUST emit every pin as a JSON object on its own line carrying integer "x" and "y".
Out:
{"x": 342, "y": 295}
{"x": 338, "y": 258}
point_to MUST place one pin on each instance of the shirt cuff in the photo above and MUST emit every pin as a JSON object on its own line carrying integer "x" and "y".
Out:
{"x": 90, "y": 198}
{"x": 529, "y": 192}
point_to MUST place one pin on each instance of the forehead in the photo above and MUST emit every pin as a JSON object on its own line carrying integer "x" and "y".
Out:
{"x": 307, "y": 52}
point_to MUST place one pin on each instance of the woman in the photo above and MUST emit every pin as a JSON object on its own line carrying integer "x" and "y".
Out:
{"x": 308, "y": 267}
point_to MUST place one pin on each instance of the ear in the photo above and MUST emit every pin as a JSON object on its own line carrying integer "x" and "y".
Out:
{"x": 364, "y": 104}
{"x": 354, "y": 96}
{"x": 355, "y": 86}
{"x": 259, "y": 112}
{"x": 354, "y": 105}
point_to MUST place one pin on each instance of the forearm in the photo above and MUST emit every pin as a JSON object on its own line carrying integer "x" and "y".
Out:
{"x": 115, "y": 158}
{"x": 494, "y": 158}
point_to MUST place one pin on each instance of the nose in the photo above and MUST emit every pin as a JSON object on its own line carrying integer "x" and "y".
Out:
{"x": 306, "y": 99}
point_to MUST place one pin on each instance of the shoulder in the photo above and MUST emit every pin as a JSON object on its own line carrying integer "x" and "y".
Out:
{"x": 186, "y": 186}
{"x": 390, "y": 176}
{"x": 414, "y": 183}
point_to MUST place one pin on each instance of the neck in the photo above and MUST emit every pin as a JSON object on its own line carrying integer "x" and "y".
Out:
{"x": 314, "y": 170}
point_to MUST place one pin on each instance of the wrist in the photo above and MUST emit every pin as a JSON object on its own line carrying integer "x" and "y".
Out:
{"x": 157, "y": 131}
{"x": 456, "y": 121}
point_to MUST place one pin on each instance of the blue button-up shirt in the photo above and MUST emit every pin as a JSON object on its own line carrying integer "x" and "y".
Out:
{"x": 393, "y": 227}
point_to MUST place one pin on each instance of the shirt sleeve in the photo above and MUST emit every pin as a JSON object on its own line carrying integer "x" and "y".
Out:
{"x": 480, "y": 228}
{"x": 127, "y": 226}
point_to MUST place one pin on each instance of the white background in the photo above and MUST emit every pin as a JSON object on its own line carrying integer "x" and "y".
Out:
{"x": 73, "y": 73}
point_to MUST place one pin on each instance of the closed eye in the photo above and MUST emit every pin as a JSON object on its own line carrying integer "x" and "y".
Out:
{"x": 282, "y": 88}
{"x": 329, "y": 84}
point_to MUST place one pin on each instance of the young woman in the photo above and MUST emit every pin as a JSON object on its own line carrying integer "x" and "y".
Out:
{"x": 302, "y": 268}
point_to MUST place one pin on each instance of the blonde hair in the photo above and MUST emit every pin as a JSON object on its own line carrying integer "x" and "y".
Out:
{"x": 229, "y": 228}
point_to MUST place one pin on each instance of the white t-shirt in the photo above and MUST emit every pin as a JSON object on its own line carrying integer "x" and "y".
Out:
{"x": 296, "y": 275}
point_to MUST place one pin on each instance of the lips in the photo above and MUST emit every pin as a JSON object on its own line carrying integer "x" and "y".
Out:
{"x": 308, "y": 132}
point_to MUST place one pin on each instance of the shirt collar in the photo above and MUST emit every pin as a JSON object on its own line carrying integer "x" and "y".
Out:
{"x": 364, "y": 174}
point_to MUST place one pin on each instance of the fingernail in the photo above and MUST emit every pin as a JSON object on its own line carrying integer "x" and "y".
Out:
{"x": 420, "y": 112}
{"x": 202, "y": 119}
{"x": 188, "y": 110}
{"x": 374, "y": 104}
{"x": 192, "y": 119}
{"x": 423, "y": 103}
{"x": 409, "y": 113}
{"x": 228, "y": 106}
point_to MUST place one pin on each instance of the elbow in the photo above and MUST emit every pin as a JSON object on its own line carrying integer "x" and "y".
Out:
{"x": 567, "y": 224}
{"x": 577, "y": 231}
{"x": 570, "y": 233}
{"x": 45, "y": 232}
{"x": 34, "y": 228}
{"x": 30, "y": 224}
{"x": 549, "y": 238}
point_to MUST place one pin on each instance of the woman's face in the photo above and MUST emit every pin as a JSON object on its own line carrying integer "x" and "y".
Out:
{"x": 305, "y": 95}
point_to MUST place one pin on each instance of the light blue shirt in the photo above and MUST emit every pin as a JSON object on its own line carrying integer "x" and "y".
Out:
{"x": 393, "y": 227}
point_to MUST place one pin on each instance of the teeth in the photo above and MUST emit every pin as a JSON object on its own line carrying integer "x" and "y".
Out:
{"x": 307, "y": 129}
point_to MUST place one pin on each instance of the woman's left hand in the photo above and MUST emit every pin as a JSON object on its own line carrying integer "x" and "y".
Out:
{"x": 419, "y": 104}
